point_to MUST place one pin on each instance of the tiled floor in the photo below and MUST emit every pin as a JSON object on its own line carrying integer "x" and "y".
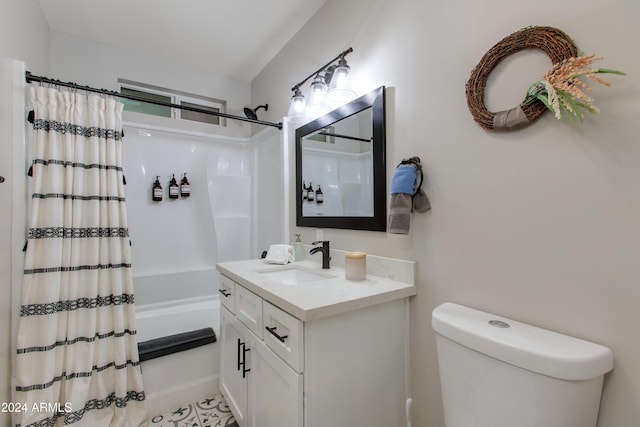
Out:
{"x": 212, "y": 412}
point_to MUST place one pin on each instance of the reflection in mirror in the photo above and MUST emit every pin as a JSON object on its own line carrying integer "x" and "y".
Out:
{"x": 337, "y": 168}
{"x": 340, "y": 167}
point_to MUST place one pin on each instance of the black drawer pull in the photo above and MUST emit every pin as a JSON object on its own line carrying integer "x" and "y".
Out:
{"x": 244, "y": 360}
{"x": 225, "y": 293}
{"x": 275, "y": 334}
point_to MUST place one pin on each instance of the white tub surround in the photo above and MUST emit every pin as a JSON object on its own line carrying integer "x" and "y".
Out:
{"x": 303, "y": 346}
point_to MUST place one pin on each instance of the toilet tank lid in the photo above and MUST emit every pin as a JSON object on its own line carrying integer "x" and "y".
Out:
{"x": 529, "y": 347}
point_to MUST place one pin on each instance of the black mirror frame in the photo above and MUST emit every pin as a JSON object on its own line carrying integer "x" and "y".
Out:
{"x": 378, "y": 222}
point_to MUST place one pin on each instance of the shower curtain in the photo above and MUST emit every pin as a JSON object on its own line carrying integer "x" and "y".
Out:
{"x": 77, "y": 358}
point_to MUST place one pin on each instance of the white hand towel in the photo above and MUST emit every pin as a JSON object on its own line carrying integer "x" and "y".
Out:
{"x": 280, "y": 254}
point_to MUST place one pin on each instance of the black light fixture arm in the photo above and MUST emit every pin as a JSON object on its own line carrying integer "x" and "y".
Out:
{"x": 31, "y": 78}
{"x": 324, "y": 67}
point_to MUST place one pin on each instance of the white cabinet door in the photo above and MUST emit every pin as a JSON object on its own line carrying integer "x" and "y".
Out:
{"x": 233, "y": 374}
{"x": 275, "y": 390}
{"x": 249, "y": 310}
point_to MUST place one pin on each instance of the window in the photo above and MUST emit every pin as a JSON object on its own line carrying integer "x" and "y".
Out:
{"x": 146, "y": 107}
{"x": 167, "y": 96}
{"x": 199, "y": 117}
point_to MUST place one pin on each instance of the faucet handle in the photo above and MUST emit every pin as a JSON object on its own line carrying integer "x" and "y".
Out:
{"x": 326, "y": 257}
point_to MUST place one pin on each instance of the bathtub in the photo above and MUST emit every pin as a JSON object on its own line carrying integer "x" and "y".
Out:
{"x": 168, "y": 304}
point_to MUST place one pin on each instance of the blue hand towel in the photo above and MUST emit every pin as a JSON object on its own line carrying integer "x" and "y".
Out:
{"x": 403, "y": 179}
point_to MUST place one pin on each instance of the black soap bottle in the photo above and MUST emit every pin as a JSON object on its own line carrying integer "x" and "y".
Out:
{"x": 311, "y": 195}
{"x": 156, "y": 191}
{"x": 305, "y": 192}
{"x": 319, "y": 195}
{"x": 174, "y": 190}
{"x": 185, "y": 187}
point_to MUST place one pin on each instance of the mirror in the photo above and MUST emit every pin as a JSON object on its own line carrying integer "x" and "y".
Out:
{"x": 341, "y": 167}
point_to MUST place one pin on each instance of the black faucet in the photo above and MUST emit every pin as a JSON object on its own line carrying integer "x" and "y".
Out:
{"x": 325, "y": 252}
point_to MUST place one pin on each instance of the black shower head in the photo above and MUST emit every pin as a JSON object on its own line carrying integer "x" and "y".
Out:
{"x": 251, "y": 112}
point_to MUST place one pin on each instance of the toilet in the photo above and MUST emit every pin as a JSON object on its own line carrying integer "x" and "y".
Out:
{"x": 497, "y": 372}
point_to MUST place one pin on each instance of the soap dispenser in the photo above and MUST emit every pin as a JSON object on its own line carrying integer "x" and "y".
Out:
{"x": 319, "y": 195}
{"x": 185, "y": 187}
{"x": 311, "y": 195}
{"x": 174, "y": 190}
{"x": 156, "y": 191}
{"x": 298, "y": 248}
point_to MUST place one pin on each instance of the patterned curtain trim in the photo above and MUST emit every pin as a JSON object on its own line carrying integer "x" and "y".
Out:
{"x": 77, "y": 165}
{"x": 71, "y": 305}
{"x": 76, "y": 340}
{"x": 87, "y": 132}
{"x": 65, "y": 376}
{"x": 77, "y": 233}
{"x": 76, "y": 268}
{"x": 74, "y": 197}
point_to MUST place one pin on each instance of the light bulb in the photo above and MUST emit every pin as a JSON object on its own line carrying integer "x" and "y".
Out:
{"x": 296, "y": 108}
{"x": 341, "y": 76}
{"x": 317, "y": 98}
{"x": 339, "y": 91}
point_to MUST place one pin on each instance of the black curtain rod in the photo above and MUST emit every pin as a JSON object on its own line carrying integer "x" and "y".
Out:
{"x": 31, "y": 78}
{"x": 337, "y": 135}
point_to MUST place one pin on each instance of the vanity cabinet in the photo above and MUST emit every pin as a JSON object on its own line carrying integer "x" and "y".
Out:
{"x": 342, "y": 369}
{"x": 260, "y": 388}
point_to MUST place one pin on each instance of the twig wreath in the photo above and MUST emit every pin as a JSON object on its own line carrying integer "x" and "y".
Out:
{"x": 560, "y": 89}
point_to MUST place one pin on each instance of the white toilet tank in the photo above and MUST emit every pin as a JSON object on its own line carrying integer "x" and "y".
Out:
{"x": 497, "y": 372}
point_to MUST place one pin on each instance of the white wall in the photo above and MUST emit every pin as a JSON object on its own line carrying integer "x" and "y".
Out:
{"x": 541, "y": 225}
{"x": 24, "y": 34}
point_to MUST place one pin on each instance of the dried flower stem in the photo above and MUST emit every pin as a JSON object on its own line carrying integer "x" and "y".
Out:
{"x": 561, "y": 87}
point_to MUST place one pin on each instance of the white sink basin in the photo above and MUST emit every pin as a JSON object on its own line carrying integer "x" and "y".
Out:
{"x": 294, "y": 275}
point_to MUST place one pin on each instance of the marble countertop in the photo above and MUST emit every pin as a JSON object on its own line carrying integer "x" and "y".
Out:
{"x": 315, "y": 299}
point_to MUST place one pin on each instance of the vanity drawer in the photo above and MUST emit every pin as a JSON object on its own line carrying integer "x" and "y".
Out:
{"x": 228, "y": 293}
{"x": 249, "y": 310}
{"x": 283, "y": 334}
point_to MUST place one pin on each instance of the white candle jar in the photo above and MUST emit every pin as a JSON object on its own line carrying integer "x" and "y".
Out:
{"x": 355, "y": 265}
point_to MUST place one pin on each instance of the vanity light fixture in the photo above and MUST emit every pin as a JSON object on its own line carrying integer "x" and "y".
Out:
{"x": 329, "y": 88}
{"x": 296, "y": 109}
{"x": 318, "y": 97}
{"x": 339, "y": 88}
